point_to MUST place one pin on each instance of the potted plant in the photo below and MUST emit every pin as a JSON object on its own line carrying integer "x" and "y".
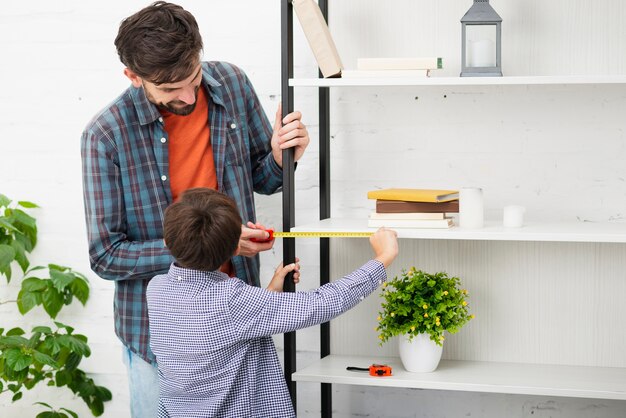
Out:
{"x": 420, "y": 307}
{"x": 51, "y": 353}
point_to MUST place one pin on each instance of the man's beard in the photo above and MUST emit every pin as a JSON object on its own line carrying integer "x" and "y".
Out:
{"x": 180, "y": 111}
{"x": 170, "y": 106}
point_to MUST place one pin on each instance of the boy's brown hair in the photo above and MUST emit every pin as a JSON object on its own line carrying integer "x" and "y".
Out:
{"x": 202, "y": 229}
{"x": 161, "y": 43}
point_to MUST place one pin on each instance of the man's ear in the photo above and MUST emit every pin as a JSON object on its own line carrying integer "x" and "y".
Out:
{"x": 237, "y": 250}
{"x": 133, "y": 77}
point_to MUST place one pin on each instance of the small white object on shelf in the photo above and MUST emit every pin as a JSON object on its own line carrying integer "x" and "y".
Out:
{"x": 471, "y": 213}
{"x": 513, "y": 216}
{"x": 482, "y": 53}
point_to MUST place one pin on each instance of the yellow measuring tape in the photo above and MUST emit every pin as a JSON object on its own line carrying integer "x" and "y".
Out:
{"x": 329, "y": 234}
{"x": 310, "y": 234}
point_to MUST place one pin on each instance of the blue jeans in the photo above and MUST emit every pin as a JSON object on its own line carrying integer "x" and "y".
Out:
{"x": 143, "y": 381}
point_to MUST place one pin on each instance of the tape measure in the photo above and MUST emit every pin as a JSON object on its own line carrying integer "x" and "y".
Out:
{"x": 377, "y": 370}
{"x": 313, "y": 234}
{"x": 328, "y": 234}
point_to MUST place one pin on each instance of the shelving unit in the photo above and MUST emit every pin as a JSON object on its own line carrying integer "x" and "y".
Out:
{"x": 456, "y": 375}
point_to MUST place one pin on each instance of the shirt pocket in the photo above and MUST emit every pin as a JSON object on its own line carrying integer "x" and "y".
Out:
{"x": 236, "y": 151}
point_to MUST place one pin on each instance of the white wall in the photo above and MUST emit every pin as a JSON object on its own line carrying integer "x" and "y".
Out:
{"x": 558, "y": 150}
{"x": 58, "y": 68}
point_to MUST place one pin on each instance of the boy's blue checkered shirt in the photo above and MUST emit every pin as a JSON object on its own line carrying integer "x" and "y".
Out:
{"x": 126, "y": 188}
{"x": 211, "y": 335}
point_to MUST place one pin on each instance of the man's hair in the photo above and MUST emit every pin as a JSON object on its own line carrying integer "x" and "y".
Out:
{"x": 202, "y": 229}
{"x": 160, "y": 43}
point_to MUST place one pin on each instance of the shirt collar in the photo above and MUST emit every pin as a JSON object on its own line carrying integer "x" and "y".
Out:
{"x": 147, "y": 111}
{"x": 211, "y": 83}
{"x": 178, "y": 273}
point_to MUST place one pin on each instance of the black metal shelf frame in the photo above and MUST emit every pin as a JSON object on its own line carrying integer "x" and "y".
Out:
{"x": 289, "y": 245}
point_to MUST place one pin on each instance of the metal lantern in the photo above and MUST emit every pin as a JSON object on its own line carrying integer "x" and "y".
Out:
{"x": 481, "y": 41}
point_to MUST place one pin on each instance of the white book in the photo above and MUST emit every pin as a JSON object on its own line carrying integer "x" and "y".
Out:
{"x": 418, "y": 63}
{"x": 384, "y": 73}
{"x": 407, "y": 215}
{"x": 318, "y": 35}
{"x": 411, "y": 223}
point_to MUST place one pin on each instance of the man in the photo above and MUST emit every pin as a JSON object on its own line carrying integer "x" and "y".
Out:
{"x": 183, "y": 123}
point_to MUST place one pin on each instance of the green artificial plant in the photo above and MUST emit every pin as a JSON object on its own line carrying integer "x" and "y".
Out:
{"x": 52, "y": 352}
{"x": 417, "y": 302}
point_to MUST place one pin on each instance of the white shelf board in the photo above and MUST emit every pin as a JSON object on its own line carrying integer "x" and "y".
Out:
{"x": 476, "y": 376}
{"x": 456, "y": 81}
{"x": 492, "y": 231}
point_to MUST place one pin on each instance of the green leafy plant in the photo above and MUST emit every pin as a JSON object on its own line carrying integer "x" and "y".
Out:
{"x": 52, "y": 413}
{"x": 46, "y": 355}
{"x": 418, "y": 302}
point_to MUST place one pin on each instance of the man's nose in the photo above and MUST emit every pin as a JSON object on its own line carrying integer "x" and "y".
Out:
{"x": 188, "y": 96}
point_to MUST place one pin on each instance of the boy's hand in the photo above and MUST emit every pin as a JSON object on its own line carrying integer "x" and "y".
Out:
{"x": 250, "y": 248}
{"x": 276, "y": 284}
{"x": 385, "y": 245}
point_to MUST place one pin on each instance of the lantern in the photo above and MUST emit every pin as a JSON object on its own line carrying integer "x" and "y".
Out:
{"x": 480, "y": 41}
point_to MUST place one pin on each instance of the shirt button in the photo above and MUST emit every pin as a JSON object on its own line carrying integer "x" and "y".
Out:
{"x": 161, "y": 120}
{"x": 163, "y": 140}
{"x": 362, "y": 297}
{"x": 163, "y": 178}
{"x": 233, "y": 126}
{"x": 179, "y": 278}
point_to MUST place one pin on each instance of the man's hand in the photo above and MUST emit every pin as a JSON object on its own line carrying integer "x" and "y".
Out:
{"x": 384, "y": 242}
{"x": 250, "y": 231}
{"x": 277, "y": 282}
{"x": 289, "y": 132}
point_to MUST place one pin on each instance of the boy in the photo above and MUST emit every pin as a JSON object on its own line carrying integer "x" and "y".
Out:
{"x": 211, "y": 334}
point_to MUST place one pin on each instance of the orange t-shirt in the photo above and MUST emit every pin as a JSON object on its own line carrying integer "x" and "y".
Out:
{"x": 190, "y": 152}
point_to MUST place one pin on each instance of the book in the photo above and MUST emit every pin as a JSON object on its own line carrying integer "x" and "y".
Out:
{"x": 407, "y": 215}
{"x": 411, "y": 223}
{"x": 418, "y": 63}
{"x": 414, "y": 195}
{"x": 384, "y": 73}
{"x": 318, "y": 35}
{"x": 399, "y": 206}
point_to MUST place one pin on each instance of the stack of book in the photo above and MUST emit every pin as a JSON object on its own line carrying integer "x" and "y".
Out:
{"x": 395, "y": 67}
{"x": 413, "y": 208}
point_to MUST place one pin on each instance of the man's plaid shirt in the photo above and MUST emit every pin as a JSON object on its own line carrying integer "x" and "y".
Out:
{"x": 126, "y": 186}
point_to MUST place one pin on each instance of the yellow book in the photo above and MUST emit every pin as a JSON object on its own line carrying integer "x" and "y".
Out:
{"x": 414, "y": 195}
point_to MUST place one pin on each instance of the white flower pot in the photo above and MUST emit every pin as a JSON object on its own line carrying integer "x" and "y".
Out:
{"x": 421, "y": 354}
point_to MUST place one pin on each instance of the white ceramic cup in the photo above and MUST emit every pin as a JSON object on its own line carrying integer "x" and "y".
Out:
{"x": 513, "y": 216}
{"x": 471, "y": 207}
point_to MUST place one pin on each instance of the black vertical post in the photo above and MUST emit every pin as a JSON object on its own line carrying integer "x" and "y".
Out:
{"x": 324, "y": 161}
{"x": 324, "y": 195}
{"x": 289, "y": 245}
